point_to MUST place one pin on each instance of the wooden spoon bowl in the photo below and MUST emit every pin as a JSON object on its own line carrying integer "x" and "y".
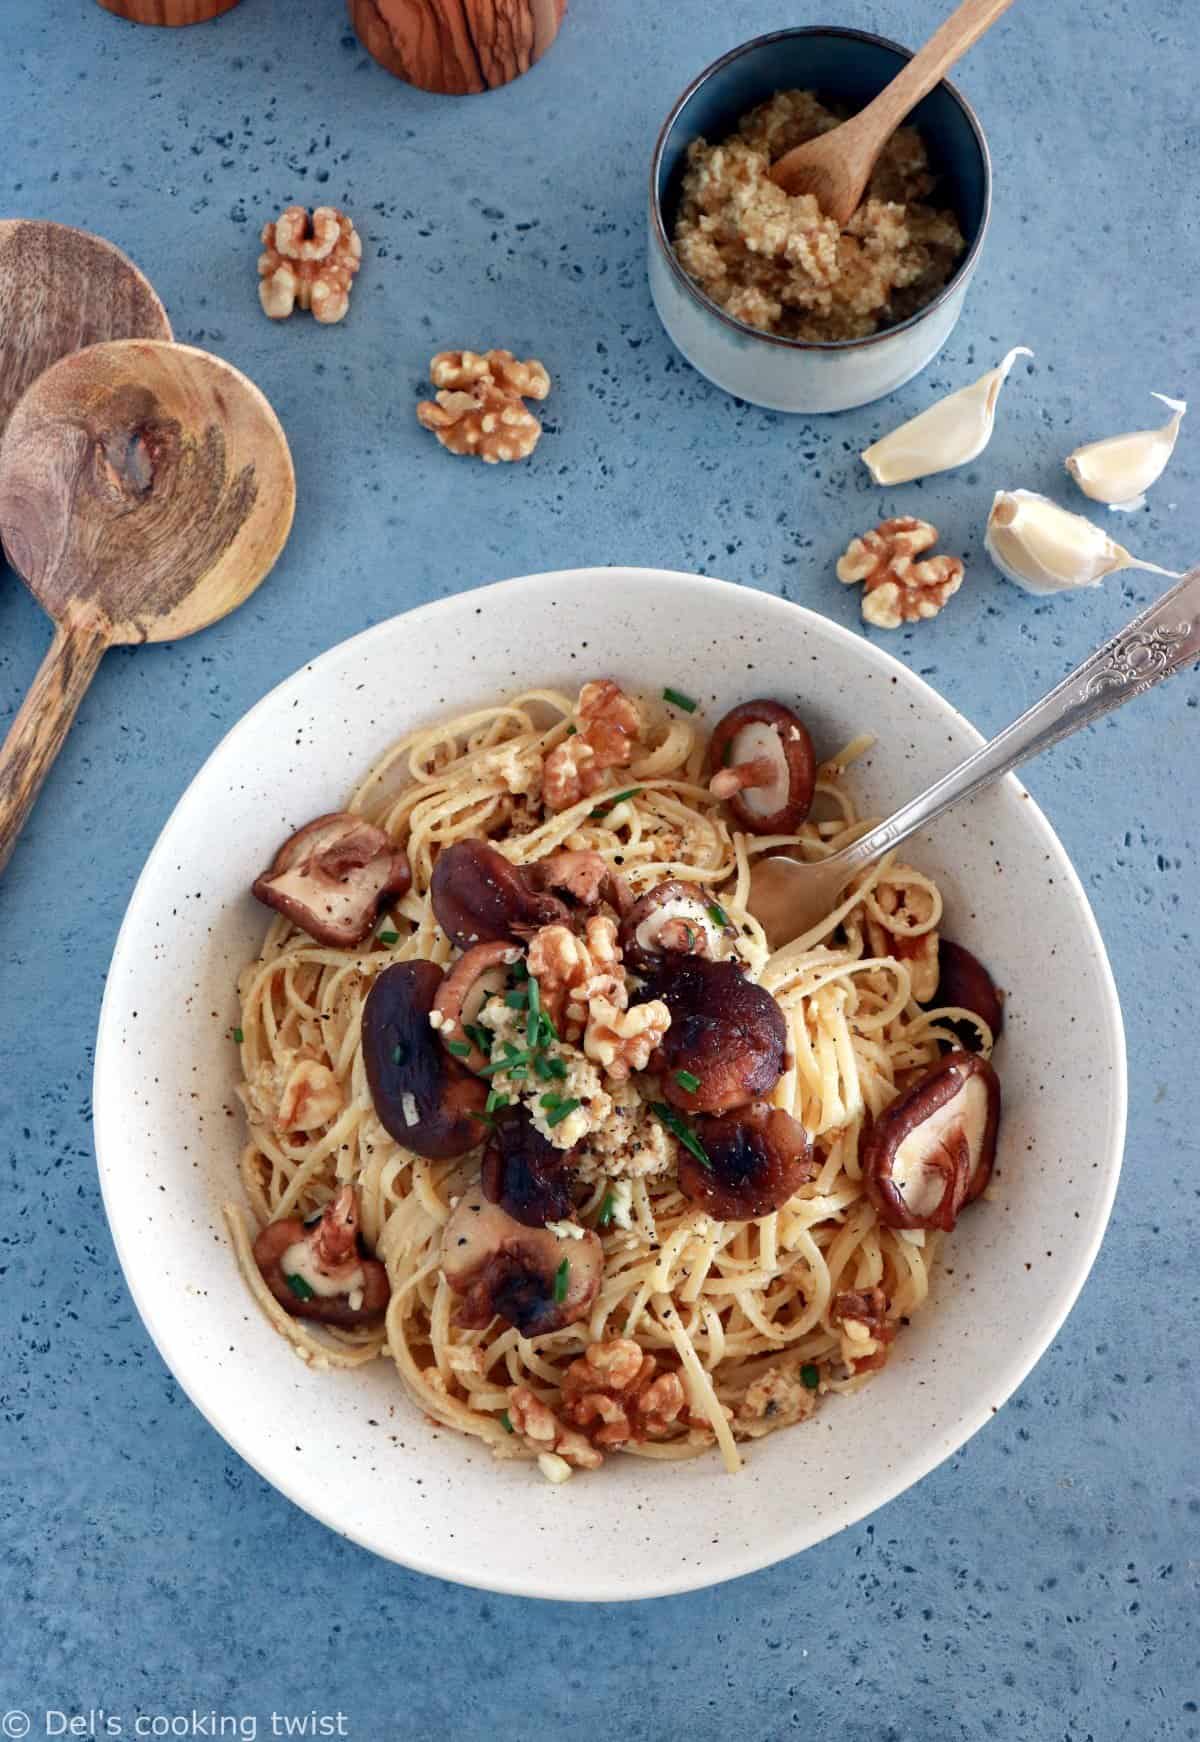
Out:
{"x": 62, "y": 289}
{"x": 145, "y": 491}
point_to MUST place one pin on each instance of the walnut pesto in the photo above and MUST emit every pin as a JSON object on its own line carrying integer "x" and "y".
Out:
{"x": 775, "y": 261}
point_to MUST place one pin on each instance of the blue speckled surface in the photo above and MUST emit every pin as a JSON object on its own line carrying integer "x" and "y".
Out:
{"x": 1042, "y": 1583}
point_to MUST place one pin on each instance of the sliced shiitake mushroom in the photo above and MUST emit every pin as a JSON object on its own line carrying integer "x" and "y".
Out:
{"x": 423, "y": 1096}
{"x": 524, "y": 1173}
{"x": 674, "y": 918}
{"x": 317, "y": 1272}
{"x": 531, "y": 1278}
{"x": 479, "y": 974}
{"x": 758, "y": 1158}
{"x": 727, "y": 1035}
{"x": 965, "y": 984}
{"x": 583, "y": 878}
{"x": 479, "y": 896}
{"x": 332, "y": 877}
{"x": 932, "y": 1151}
{"x": 763, "y": 764}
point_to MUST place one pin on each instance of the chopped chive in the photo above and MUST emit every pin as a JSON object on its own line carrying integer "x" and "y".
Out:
{"x": 560, "y": 1280}
{"x": 606, "y": 1211}
{"x": 238, "y": 1036}
{"x": 561, "y": 1112}
{"x": 510, "y": 1051}
{"x": 388, "y": 937}
{"x": 299, "y": 1287}
{"x": 511, "y": 1065}
{"x": 520, "y": 971}
{"x": 546, "y": 1030}
{"x": 810, "y": 1376}
{"x": 541, "y": 1066}
{"x": 535, "y": 1012}
{"x": 506, "y": 1424}
{"x": 718, "y": 914}
{"x": 460, "y": 1048}
{"x": 617, "y": 798}
{"x": 679, "y": 700}
{"x": 682, "y": 1130}
{"x": 571, "y": 731}
{"x": 480, "y": 1035}
{"x": 691, "y": 937}
{"x": 516, "y": 1000}
{"x": 399, "y": 1053}
{"x": 556, "y": 1067}
{"x": 550, "y": 1100}
{"x": 496, "y": 1099}
{"x": 688, "y": 1081}
{"x": 518, "y": 1073}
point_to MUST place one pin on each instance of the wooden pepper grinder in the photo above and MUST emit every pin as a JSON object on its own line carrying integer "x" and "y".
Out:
{"x": 457, "y": 46}
{"x": 168, "y": 11}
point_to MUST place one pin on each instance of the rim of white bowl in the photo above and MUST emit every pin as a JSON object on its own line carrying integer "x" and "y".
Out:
{"x": 962, "y": 272}
{"x": 737, "y": 1562}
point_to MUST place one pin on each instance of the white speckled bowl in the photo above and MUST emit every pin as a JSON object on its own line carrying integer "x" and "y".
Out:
{"x": 349, "y": 1447}
{"x": 851, "y": 67}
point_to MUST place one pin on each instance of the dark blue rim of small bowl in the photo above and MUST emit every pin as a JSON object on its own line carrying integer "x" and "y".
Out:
{"x": 689, "y": 284}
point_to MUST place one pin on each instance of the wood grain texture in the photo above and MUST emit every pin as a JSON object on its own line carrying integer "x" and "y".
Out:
{"x": 36, "y": 735}
{"x": 62, "y": 289}
{"x": 172, "y": 12}
{"x": 146, "y": 489}
{"x": 457, "y": 47}
{"x": 150, "y": 481}
{"x": 836, "y": 167}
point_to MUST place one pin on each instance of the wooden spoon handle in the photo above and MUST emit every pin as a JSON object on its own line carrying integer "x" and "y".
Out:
{"x": 949, "y": 42}
{"x": 36, "y": 735}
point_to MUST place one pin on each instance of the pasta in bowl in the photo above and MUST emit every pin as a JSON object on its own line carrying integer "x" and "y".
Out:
{"x": 348, "y": 1445}
{"x": 535, "y": 1114}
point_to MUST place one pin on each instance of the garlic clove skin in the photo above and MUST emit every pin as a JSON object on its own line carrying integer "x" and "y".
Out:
{"x": 951, "y": 432}
{"x": 1120, "y": 469}
{"x": 1047, "y": 549}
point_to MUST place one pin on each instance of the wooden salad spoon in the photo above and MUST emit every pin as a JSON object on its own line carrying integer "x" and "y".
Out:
{"x": 790, "y": 897}
{"x": 62, "y": 289}
{"x": 836, "y": 166}
{"x": 145, "y": 491}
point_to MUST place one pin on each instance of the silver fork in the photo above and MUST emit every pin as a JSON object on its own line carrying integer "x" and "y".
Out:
{"x": 788, "y": 896}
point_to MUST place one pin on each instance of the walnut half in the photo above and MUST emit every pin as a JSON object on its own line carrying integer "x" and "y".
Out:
{"x": 479, "y": 408}
{"x": 308, "y": 261}
{"x": 899, "y": 589}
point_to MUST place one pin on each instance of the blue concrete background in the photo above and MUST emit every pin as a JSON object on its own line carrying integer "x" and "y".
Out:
{"x": 1043, "y": 1583}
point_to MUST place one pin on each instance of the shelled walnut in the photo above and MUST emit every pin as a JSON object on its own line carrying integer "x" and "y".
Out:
{"x": 479, "y": 406}
{"x": 899, "y": 589}
{"x": 310, "y": 261}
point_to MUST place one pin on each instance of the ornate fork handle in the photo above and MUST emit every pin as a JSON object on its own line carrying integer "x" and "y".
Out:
{"x": 1159, "y": 641}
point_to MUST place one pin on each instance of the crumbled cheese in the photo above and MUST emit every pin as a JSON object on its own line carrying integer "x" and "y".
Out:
{"x": 355, "y": 1299}
{"x": 520, "y": 770}
{"x": 435, "y": 1019}
{"x": 553, "y": 1468}
{"x": 620, "y": 1203}
{"x": 566, "y": 1230}
{"x": 408, "y": 1106}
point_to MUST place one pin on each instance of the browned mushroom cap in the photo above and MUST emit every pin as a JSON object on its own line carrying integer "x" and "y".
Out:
{"x": 332, "y": 876}
{"x": 725, "y": 1031}
{"x": 524, "y": 1173}
{"x": 673, "y": 919}
{"x": 763, "y": 764}
{"x": 758, "y": 1158}
{"x": 965, "y": 984}
{"x": 584, "y": 877}
{"x": 325, "y": 1257}
{"x": 480, "y": 898}
{"x": 477, "y": 976}
{"x": 531, "y": 1278}
{"x": 424, "y": 1098}
{"x": 932, "y": 1151}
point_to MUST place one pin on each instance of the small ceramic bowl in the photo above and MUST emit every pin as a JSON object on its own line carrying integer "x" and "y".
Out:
{"x": 847, "y": 66}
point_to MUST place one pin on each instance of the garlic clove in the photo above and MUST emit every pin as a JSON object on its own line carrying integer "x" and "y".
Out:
{"x": 954, "y": 430}
{"x": 1047, "y": 549}
{"x": 1120, "y": 469}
